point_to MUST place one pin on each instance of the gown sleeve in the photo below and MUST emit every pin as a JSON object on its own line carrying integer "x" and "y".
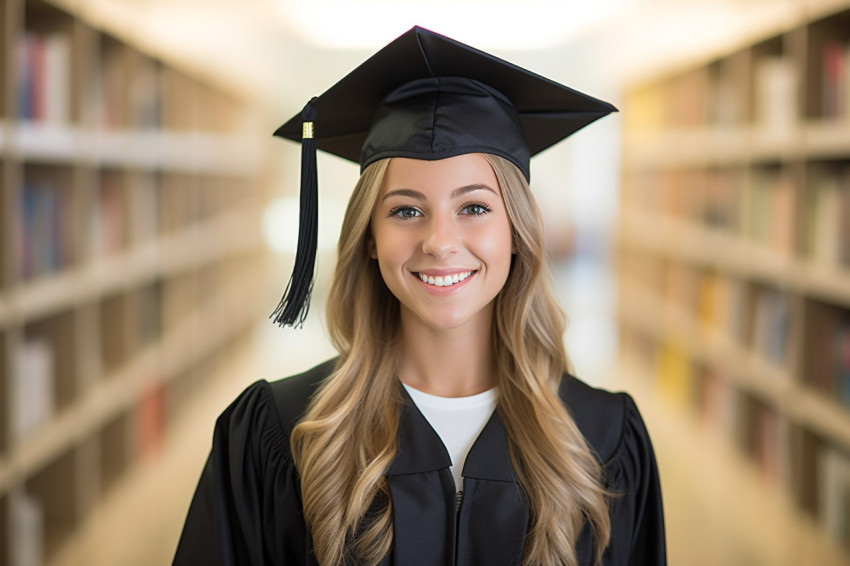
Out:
{"x": 246, "y": 510}
{"x": 637, "y": 515}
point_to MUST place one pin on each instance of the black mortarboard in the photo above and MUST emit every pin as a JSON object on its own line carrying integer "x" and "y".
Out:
{"x": 425, "y": 96}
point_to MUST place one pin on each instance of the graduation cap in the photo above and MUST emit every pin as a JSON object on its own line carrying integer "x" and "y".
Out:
{"x": 424, "y": 96}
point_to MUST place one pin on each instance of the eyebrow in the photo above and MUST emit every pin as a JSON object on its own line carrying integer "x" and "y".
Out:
{"x": 455, "y": 193}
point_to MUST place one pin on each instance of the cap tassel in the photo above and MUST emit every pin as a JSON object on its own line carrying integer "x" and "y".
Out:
{"x": 295, "y": 303}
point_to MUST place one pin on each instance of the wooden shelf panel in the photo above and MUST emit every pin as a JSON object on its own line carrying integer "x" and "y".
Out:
{"x": 736, "y": 193}
{"x": 690, "y": 243}
{"x": 732, "y": 146}
{"x": 210, "y": 153}
{"x": 210, "y": 241}
{"x": 129, "y": 233}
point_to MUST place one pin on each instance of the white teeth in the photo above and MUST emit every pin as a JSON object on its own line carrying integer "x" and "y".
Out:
{"x": 444, "y": 281}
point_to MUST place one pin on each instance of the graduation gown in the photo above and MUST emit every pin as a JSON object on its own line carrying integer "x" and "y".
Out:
{"x": 246, "y": 510}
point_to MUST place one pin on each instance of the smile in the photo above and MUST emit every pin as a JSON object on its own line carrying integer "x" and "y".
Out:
{"x": 445, "y": 280}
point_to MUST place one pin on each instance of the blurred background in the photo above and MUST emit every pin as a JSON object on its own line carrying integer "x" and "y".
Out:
{"x": 700, "y": 238}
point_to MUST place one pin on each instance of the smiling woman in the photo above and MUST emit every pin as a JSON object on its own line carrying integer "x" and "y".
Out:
{"x": 442, "y": 239}
{"x": 448, "y": 430}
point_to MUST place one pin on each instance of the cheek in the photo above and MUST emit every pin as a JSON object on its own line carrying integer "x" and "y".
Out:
{"x": 388, "y": 247}
{"x": 498, "y": 246}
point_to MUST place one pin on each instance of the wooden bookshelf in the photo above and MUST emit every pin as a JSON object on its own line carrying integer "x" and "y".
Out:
{"x": 131, "y": 256}
{"x": 734, "y": 258}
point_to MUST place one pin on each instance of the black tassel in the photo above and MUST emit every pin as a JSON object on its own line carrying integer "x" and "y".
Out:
{"x": 295, "y": 303}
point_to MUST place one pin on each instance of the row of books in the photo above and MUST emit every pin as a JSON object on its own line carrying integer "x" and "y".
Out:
{"x": 43, "y": 68}
{"x": 128, "y": 92}
{"x": 46, "y": 225}
{"x": 756, "y": 428}
{"x": 757, "y": 318}
{"x": 716, "y": 94}
{"x": 836, "y": 80}
{"x": 127, "y": 208}
{"x": 763, "y": 206}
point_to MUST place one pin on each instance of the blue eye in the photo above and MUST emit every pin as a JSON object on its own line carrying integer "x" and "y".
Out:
{"x": 404, "y": 212}
{"x": 475, "y": 209}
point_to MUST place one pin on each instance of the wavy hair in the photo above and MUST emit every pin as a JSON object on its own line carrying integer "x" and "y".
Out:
{"x": 345, "y": 495}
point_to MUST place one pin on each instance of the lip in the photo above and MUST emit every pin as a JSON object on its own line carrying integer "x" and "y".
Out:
{"x": 443, "y": 273}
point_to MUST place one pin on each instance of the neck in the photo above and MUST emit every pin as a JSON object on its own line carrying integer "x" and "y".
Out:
{"x": 455, "y": 362}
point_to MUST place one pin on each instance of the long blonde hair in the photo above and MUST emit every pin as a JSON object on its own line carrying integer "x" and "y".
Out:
{"x": 345, "y": 495}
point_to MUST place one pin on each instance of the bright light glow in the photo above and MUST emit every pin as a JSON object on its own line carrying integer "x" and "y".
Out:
{"x": 486, "y": 24}
{"x": 280, "y": 224}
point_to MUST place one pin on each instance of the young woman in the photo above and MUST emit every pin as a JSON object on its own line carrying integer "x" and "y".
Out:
{"x": 448, "y": 430}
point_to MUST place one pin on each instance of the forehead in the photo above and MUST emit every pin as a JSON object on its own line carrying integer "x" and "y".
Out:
{"x": 439, "y": 175}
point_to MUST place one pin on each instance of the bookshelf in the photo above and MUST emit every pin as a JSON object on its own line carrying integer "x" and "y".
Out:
{"x": 734, "y": 262}
{"x": 129, "y": 237}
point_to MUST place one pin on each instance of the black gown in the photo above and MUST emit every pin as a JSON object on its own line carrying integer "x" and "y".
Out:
{"x": 246, "y": 510}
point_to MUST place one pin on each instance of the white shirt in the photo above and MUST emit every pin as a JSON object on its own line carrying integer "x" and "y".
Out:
{"x": 457, "y": 420}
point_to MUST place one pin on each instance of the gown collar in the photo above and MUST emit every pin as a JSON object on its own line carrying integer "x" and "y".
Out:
{"x": 421, "y": 450}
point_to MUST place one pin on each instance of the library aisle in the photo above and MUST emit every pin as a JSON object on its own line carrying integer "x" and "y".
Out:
{"x": 133, "y": 275}
{"x": 153, "y": 502}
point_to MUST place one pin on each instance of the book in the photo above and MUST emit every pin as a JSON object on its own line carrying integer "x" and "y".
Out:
{"x": 827, "y": 354}
{"x": 841, "y": 358}
{"x": 824, "y": 220}
{"x": 110, "y": 222}
{"x": 150, "y": 421}
{"x": 835, "y": 79}
{"x": 772, "y": 445}
{"x": 833, "y": 491}
{"x": 43, "y": 67}
{"x": 44, "y": 244}
{"x": 143, "y": 199}
{"x": 772, "y": 325}
{"x": 674, "y": 373}
{"x": 33, "y": 388}
{"x": 768, "y": 209}
{"x": 776, "y": 95}
{"x": 27, "y": 531}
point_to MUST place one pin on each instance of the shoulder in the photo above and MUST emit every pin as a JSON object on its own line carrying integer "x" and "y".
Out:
{"x": 602, "y": 416}
{"x": 292, "y": 394}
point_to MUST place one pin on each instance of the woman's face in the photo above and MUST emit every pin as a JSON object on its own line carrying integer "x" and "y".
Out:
{"x": 442, "y": 239}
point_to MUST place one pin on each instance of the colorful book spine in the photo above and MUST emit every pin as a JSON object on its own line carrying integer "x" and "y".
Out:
{"x": 44, "y": 62}
{"x": 150, "y": 421}
{"x": 45, "y": 240}
{"x": 835, "y": 84}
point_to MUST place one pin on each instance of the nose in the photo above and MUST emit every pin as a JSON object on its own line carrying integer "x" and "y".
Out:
{"x": 441, "y": 237}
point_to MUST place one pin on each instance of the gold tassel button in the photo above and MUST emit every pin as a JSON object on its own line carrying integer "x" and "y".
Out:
{"x": 307, "y": 130}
